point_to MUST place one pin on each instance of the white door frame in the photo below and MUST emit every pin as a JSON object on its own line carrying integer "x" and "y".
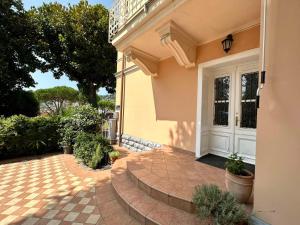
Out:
{"x": 227, "y": 60}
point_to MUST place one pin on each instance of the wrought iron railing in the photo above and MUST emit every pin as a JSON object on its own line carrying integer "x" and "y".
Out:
{"x": 121, "y": 12}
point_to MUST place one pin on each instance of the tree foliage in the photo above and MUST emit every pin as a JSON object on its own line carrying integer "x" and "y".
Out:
{"x": 23, "y": 102}
{"x": 106, "y": 105}
{"x": 73, "y": 41}
{"x": 17, "y": 44}
{"x": 56, "y": 98}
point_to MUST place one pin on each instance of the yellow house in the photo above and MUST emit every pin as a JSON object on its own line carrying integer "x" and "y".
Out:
{"x": 190, "y": 74}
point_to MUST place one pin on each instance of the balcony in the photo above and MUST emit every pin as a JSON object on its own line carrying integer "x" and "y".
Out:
{"x": 149, "y": 31}
{"x": 125, "y": 11}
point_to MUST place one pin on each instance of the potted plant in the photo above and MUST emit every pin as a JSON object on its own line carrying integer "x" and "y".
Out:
{"x": 114, "y": 155}
{"x": 66, "y": 141}
{"x": 238, "y": 180}
{"x": 67, "y": 149}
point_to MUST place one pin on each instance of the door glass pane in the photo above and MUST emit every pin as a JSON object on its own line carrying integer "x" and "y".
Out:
{"x": 249, "y": 82}
{"x": 221, "y": 101}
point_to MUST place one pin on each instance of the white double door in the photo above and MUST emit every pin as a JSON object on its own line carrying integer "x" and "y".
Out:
{"x": 233, "y": 114}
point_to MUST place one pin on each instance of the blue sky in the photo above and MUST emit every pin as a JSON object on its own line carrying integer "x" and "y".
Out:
{"x": 46, "y": 80}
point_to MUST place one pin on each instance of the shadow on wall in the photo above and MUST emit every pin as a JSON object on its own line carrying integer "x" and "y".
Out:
{"x": 175, "y": 97}
{"x": 183, "y": 136}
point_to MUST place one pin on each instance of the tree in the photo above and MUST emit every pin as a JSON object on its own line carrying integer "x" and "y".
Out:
{"x": 73, "y": 41}
{"x": 106, "y": 105}
{"x": 17, "y": 44}
{"x": 22, "y": 102}
{"x": 56, "y": 98}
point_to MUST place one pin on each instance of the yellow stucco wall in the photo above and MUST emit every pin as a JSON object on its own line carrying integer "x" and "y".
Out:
{"x": 163, "y": 109}
{"x": 277, "y": 182}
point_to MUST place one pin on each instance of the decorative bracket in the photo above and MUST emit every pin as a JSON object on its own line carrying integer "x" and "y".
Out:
{"x": 181, "y": 45}
{"x": 146, "y": 62}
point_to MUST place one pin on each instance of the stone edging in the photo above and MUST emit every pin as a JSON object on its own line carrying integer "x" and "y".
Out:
{"x": 256, "y": 221}
{"x": 138, "y": 144}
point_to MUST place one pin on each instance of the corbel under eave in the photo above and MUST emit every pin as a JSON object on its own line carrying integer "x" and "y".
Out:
{"x": 146, "y": 62}
{"x": 182, "y": 46}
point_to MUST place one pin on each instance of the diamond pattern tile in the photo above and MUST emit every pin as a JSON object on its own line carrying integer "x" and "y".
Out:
{"x": 51, "y": 190}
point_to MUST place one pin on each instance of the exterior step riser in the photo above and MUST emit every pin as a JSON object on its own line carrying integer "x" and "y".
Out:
{"x": 161, "y": 196}
{"x": 136, "y": 198}
{"x": 132, "y": 211}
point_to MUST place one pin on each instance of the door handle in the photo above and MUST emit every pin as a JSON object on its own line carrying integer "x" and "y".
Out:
{"x": 236, "y": 120}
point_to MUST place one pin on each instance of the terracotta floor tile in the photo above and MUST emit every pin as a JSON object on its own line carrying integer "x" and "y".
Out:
{"x": 144, "y": 204}
{"x": 51, "y": 182}
{"x": 161, "y": 214}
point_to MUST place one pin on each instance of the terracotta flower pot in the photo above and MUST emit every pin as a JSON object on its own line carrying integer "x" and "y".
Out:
{"x": 240, "y": 186}
{"x": 113, "y": 159}
{"x": 68, "y": 149}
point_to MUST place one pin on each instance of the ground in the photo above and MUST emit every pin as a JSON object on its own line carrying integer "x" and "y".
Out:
{"x": 55, "y": 190}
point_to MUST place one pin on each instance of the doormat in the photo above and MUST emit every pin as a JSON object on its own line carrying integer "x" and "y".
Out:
{"x": 219, "y": 162}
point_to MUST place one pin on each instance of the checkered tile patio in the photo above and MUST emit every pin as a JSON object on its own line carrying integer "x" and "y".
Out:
{"x": 54, "y": 190}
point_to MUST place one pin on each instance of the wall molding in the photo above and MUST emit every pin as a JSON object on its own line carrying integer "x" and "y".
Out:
{"x": 127, "y": 71}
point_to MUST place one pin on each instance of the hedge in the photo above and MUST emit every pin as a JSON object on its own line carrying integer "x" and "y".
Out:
{"x": 23, "y": 136}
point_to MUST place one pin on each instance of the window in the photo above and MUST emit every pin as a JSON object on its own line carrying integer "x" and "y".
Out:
{"x": 221, "y": 101}
{"x": 249, "y": 84}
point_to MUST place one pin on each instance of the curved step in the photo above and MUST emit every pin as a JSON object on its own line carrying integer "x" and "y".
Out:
{"x": 159, "y": 190}
{"x": 143, "y": 207}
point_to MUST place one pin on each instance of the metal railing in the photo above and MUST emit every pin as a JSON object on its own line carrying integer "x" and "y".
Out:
{"x": 121, "y": 12}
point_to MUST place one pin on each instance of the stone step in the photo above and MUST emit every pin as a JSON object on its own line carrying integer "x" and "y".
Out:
{"x": 143, "y": 207}
{"x": 158, "y": 189}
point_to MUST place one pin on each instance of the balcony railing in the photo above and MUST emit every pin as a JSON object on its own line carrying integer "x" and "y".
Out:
{"x": 122, "y": 12}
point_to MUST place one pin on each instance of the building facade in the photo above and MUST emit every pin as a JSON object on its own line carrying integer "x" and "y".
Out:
{"x": 178, "y": 85}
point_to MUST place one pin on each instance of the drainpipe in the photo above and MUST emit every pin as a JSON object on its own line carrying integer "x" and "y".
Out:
{"x": 263, "y": 52}
{"x": 121, "y": 122}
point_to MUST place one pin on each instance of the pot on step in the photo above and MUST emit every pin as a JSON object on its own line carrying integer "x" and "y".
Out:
{"x": 68, "y": 149}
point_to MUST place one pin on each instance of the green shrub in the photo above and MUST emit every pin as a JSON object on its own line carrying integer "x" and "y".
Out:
{"x": 97, "y": 157}
{"x": 207, "y": 200}
{"x": 235, "y": 165}
{"x": 77, "y": 119}
{"x": 230, "y": 212}
{"x": 92, "y": 149}
{"x": 220, "y": 207}
{"x": 84, "y": 147}
{"x": 21, "y": 136}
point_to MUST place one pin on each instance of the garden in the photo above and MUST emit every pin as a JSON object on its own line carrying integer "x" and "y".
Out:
{"x": 63, "y": 41}
{"x": 77, "y": 130}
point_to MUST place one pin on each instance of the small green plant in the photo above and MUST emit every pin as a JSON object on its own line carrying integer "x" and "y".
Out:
{"x": 220, "y": 207}
{"x": 114, "y": 154}
{"x": 235, "y": 164}
{"x": 96, "y": 159}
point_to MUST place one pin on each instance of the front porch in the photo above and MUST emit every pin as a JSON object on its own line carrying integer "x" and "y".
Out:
{"x": 157, "y": 187}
